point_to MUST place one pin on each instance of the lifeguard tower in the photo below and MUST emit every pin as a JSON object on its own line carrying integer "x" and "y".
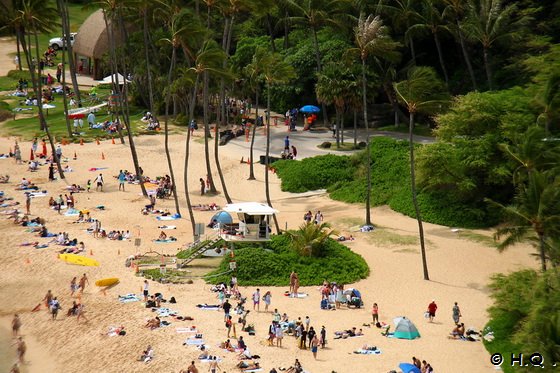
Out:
{"x": 253, "y": 222}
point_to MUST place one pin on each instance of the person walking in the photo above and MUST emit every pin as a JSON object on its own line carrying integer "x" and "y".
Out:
{"x": 432, "y": 308}
{"x": 146, "y": 290}
{"x": 226, "y": 306}
{"x": 54, "y": 306}
{"x": 257, "y": 300}
{"x": 51, "y": 172}
{"x": 99, "y": 182}
{"x": 28, "y": 203}
{"x": 456, "y": 313}
{"x": 16, "y": 325}
{"x": 58, "y": 153}
{"x": 122, "y": 178}
{"x": 287, "y": 144}
{"x": 82, "y": 285}
{"x": 323, "y": 336}
{"x": 202, "y": 186}
{"x": 229, "y": 324}
{"x": 267, "y": 298}
{"x": 214, "y": 367}
{"x": 314, "y": 345}
{"x": 21, "y": 349}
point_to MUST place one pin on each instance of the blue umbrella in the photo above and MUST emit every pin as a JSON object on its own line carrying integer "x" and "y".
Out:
{"x": 408, "y": 368}
{"x": 310, "y": 109}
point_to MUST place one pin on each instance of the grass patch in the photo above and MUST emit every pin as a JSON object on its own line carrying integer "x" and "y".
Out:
{"x": 382, "y": 236}
{"x": 272, "y": 265}
{"x": 477, "y": 237}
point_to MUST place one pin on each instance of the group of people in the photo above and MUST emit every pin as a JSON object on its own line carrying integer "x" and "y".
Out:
{"x": 316, "y": 218}
{"x": 423, "y": 365}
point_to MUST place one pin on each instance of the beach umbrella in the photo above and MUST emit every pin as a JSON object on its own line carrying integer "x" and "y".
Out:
{"x": 310, "y": 109}
{"x": 48, "y": 106}
{"x": 409, "y": 368}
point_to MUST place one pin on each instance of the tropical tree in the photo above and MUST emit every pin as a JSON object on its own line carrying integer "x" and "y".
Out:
{"x": 254, "y": 72}
{"x": 313, "y": 15}
{"x": 404, "y": 15}
{"x": 372, "y": 39}
{"x": 421, "y": 92}
{"x": 65, "y": 18}
{"x": 534, "y": 215}
{"x": 275, "y": 71}
{"x": 310, "y": 238}
{"x": 455, "y": 11}
{"x": 489, "y": 22}
{"x": 430, "y": 20}
{"x": 549, "y": 99}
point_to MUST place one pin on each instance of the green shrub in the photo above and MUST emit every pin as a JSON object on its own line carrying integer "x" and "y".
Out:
{"x": 272, "y": 265}
{"x": 325, "y": 145}
{"x": 313, "y": 173}
{"x": 17, "y": 75}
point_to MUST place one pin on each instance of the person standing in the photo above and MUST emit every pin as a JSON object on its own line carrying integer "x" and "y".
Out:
{"x": 314, "y": 345}
{"x": 202, "y": 186}
{"x": 21, "y": 348}
{"x": 54, "y": 306}
{"x": 146, "y": 290}
{"x": 375, "y": 313}
{"x": 287, "y": 144}
{"x": 83, "y": 281}
{"x": 456, "y": 313}
{"x": 34, "y": 146}
{"x": 44, "y": 147}
{"x": 279, "y": 334}
{"x": 99, "y": 182}
{"x": 267, "y": 298}
{"x": 91, "y": 119}
{"x": 81, "y": 313}
{"x": 227, "y": 307}
{"x": 51, "y": 172}
{"x": 307, "y": 322}
{"x": 257, "y": 300}
{"x": 122, "y": 178}
{"x": 432, "y": 308}
{"x": 213, "y": 368}
{"x": 28, "y": 204}
{"x": 58, "y": 72}
{"x": 73, "y": 285}
{"x": 16, "y": 325}
{"x": 323, "y": 336}
{"x": 58, "y": 153}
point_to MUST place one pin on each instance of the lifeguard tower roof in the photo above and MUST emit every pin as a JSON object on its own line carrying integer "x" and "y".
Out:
{"x": 250, "y": 208}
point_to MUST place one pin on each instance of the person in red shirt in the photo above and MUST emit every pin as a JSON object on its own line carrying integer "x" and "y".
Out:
{"x": 432, "y": 307}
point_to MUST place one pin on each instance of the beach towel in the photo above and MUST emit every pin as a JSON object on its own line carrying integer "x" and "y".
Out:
{"x": 164, "y": 312}
{"x": 128, "y": 298}
{"x": 207, "y": 360}
{"x": 208, "y": 307}
{"x": 37, "y": 194}
{"x": 97, "y": 168}
{"x": 193, "y": 342}
{"x": 298, "y": 295}
{"x": 167, "y": 240}
{"x": 172, "y": 217}
{"x": 72, "y": 212}
{"x": 253, "y": 370}
{"x": 186, "y": 330}
{"x": 167, "y": 227}
{"x": 367, "y": 352}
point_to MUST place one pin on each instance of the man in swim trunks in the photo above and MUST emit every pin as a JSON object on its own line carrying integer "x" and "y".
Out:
{"x": 257, "y": 299}
{"x": 83, "y": 281}
{"x": 214, "y": 366}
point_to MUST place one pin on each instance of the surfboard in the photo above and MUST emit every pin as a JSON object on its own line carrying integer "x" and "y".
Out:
{"x": 106, "y": 281}
{"x": 79, "y": 260}
{"x": 299, "y": 295}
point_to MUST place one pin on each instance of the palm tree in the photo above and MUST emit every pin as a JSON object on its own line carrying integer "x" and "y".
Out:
{"x": 490, "y": 22}
{"x": 534, "y": 215}
{"x": 549, "y": 98}
{"x": 421, "y": 92}
{"x": 455, "y": 11}
{"x": 431, "y": 20}
{"x": 404, "y": 16}
{"x": 371, "y": 38}
{"x": 310, "y": 238}
{"x": 254, "y": 75}
{"x": 65, "y": 18}
{"x": 331, "y": 89}
{"x": 275, "y": 71}
{"x": 314, "y": 14}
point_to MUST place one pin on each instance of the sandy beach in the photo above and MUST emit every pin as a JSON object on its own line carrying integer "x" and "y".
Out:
{"x": 459, "y": 269}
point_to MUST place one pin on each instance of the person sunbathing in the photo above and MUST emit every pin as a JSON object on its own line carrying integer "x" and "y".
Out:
{"x": 245, "y": 354}
{"x": 458, "y": 331}
{"x": 346, "y": 238}
{"x": 153, "y": 323}
{"x": 248, "y": 366}
{"x": 227, "y": 346}
{"x": 147, "y": 355}
{"x": 4, "y": 179}
{"x": 162, "y": 236}
{"x": 296, "y": 368}
{"x": 348, "y": 333}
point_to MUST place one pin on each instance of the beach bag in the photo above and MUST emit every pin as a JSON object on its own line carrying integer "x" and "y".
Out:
{"x": 427, "y": 315}
{"x": 172, "y": 300}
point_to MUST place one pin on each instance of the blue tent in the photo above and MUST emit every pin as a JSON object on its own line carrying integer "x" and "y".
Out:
{"x": 409, "y": 368}
{"x": 222, "y": 217}
{"x": 406, "y": 329}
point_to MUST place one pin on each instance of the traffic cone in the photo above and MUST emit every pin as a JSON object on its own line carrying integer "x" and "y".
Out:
{"x": 82, "y": 142}
{"x": 113, "y": 140}
{"x": 91, "y": 252}
{"x": 97, "y": 141}
{"x": 102, "y": 156}
{"x": 75, "y": 156}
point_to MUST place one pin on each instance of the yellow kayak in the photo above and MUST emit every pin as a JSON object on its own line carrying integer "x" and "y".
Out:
{"x": 106, "y": 281}
{"x": 79, "y": 260}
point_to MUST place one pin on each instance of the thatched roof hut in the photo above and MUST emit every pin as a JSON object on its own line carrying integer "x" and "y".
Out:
{"x": 92, "y": 40}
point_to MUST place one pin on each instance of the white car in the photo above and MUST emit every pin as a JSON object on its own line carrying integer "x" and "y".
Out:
{"x": 58, "y": 43}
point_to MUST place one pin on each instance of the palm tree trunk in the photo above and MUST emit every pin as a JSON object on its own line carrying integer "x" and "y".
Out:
{"x": 368, "y": 153}
{"x": 342, "y": 127}
{"x": 466, "y": 53}
{"x": 20, "y": 68}
{"x": 187, "y": 153}
{"x": 286, "y": 31}
{"x": 414, "y": 199}
{"x": 412, "y": 51}
{"x": 64, "y": 97}
{"x": 355, "y": 129}
{"x": 148, "y": 67}
{"x": 251, "y": 160}
{"x": 267, "y": 161}
{"x": 71, "y": 62}
{"x": 270, "y": 33}
{"x": 38, "y": 93}
{"x": 319, "y": 68}
{"x": 487, "y": 66}
{"x": 337, "y": 122}
{"x": 207, "y": 132}
{"x": 440, "y": 55}
{"x": 166, "y": 129}
{"x": 542, "y": 252}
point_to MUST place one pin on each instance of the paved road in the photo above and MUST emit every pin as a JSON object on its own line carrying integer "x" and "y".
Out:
{"x": 306, "y": 142}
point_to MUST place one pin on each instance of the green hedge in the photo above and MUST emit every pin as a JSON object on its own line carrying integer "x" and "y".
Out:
{"x": 272, "y": 265}
{"x": 344, "y": 179}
